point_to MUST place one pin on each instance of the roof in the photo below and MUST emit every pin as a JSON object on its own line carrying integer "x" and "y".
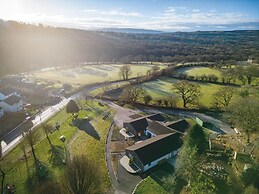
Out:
{"x": 158, "y": 128}
{"x": 140, "y": 124}
{"x": 180, "y": 125}
{"x": 7, "y": 91}
{"x": 12, "y": 100}
{"x": 156, "y": 147}
{"x": 156, "y": 117}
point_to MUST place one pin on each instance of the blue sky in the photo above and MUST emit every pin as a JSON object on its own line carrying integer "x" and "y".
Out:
{"x": 165, "y": 15}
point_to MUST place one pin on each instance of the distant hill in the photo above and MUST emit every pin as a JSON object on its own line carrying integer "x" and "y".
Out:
{"x": 25, "y": 47}
{"x": 131, "y": 30}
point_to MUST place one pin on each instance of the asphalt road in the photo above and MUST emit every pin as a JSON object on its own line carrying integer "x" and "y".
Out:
{"x": 11, "y": 139}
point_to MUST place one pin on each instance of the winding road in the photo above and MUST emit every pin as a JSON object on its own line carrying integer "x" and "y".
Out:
{"x": 124, "y": 182}
{"x": 11, "y": 139}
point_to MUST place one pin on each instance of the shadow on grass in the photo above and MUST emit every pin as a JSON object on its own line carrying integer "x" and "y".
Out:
{"x": 39, "y": 176}
{"x": 57, "y": 155}
{"x": 162, "y": 174}
{"x": 85, "y": 125}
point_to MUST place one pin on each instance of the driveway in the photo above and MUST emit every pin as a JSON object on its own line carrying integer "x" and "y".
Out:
{"x": 125, "y": 182}
{"x": 221, "y": 127}
{"x": 122, "y": 114}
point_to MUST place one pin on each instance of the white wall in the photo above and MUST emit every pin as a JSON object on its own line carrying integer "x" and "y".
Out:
{"x": 149, "y": 132}
{"x": 154, "y": 163}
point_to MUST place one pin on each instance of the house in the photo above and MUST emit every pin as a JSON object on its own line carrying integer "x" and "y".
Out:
{"x": 12, "y": 104}
{"x": 138, "y": 126}
{"x": 1, "y": 112}
{"x": 154, "y": 151}
{"x": 181, "y": 125}
{"x": 6, "y": 92}
{"x": 155, "y": 128}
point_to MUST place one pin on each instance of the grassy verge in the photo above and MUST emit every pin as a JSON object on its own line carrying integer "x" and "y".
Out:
{"x": 14, "y": 164}
{"x": 149, "y": 185}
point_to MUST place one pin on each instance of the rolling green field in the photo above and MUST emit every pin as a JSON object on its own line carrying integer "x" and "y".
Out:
{"x": 82, "y": 75}
{"x": 198, "y": 71}
{"x": 162, "y": 88}
{"x": 14, "y": 164}
{"x": 149, "y": 185}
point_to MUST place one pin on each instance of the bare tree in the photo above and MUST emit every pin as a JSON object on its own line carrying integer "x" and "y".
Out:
{"x": 172, "y": 101}
{"x": 131, "y": 94}
{"x": 82, "y": 176}
{"x": 47, "y": 129}
{"x": 49, "y": 187}
{"x": 32, "y": 137}
{"x": 224, "y": 96}
{"x": 1, "y": 170}
{"x": 23, "y": 148}
{"x": 72, "y": 107}
{"x": 147, "y": 98}
{"x": 244, "y": 113}
{"x": 189, "y": 92}
{"x": 125, "y": 72}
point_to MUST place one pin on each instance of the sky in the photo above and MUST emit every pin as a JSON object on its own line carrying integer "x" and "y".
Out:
{"x": 163, "y": 15}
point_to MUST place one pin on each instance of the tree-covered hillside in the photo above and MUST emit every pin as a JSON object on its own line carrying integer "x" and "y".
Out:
{"x": 26, "y": 47}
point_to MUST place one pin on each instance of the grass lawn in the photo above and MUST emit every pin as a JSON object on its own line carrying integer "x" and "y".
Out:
{"x": 162, "y": 88}
{"x": 198, "y": 71}
{"x": 14, "y": 164}
{"x": 149, "y": 185}
{"x": 94, "y": 148}
{"x": 82, "y": 75}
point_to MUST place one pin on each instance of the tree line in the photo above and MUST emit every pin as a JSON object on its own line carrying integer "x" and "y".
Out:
{"x": 27, "y": 47}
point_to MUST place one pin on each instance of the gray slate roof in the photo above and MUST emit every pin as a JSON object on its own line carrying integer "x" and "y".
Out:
{"x": 180, "y": 125}
{"x": 158, "y": 128}
{"x": 156, "y": 147}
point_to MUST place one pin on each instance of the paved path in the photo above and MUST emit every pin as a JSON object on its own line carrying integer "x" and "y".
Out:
{"x": 14, "y": 137}
{"x": 125, "y": 182}
{"x": 108, "y": 158}
{"x": 221, "y": 127}
{"x": 122, "y": 114}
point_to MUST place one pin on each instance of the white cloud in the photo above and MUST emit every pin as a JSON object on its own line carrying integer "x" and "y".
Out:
{"x": 121, "y": 13}
{"x": 89, "y": 10}
{"x": 195, "y": 10}
{"x": 171, "y": 19}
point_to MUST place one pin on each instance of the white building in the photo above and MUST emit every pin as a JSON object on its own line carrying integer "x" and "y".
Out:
{"x": 12, "y": 104}
{"x": 154, "y": 151}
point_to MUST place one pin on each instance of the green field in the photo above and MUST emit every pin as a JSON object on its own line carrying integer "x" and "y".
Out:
{"x": 83, "y": 75}
{"x": 14, "y": 164}
{"x": 162, "y": 88}
{"x": 198, "y": 71}
{"x": 149, "y": 185}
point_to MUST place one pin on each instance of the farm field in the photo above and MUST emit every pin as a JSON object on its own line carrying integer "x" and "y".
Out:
{"x": 198, "y": 71}
{"x": 82, "y": 75}
{"x": 162, "y": 88}
{"x": 14, "y": 164}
